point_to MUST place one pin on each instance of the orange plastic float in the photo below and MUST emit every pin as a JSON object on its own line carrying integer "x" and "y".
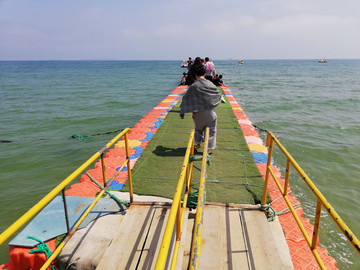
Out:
{"x": 22, "y": 259}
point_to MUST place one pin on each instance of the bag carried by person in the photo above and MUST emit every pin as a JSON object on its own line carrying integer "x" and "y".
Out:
{"x": 209, "y": 66}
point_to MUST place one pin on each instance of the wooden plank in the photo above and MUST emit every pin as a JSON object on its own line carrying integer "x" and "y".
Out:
{"x": 124, "y": 249}
{"x": 153, "y": 242}
{"x": 182, "y": 247}
{"x": 223, "y": 245}
{"x": 237, "y": 248}
{"x": 214, "y": 241}
{"x": 283, "y": 248}
{"x": 86, "y": 248}
{"x": 187, "y": 244}
{"x": 263, "y": 246}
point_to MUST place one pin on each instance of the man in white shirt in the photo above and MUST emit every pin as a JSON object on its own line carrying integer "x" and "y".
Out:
{"x": 210, "y": 69}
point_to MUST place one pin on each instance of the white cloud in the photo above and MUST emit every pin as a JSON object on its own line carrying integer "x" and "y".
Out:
{"x": 162, "y": 29}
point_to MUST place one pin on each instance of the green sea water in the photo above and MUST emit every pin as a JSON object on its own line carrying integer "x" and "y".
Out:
{"x": 314, "y": 110}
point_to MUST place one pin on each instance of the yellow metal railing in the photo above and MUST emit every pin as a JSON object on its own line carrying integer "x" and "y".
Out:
{"x": 61, "y": 188}
{"x": 321, "y": 200}
{"x": 198, "y": 226}
{"x": 177, "y": 212}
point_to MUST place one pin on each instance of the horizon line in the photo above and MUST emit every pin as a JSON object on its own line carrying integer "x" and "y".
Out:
{"x": 228, "y": 59}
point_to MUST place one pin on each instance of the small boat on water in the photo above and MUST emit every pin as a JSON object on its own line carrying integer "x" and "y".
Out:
{"x": 322, "y": 61}
{"x": 184, "y": 64}
{"x": 240, "y": 62}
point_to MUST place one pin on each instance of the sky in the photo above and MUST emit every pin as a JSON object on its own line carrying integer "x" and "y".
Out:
{"x": 177, "y": 29}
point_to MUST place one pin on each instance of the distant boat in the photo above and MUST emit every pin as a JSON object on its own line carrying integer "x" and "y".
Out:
{"x": 322, "y": 61}
{"x": 240, "y": 62}
{"x": 184, "y": 64}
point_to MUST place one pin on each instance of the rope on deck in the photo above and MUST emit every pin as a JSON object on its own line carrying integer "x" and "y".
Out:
{"x": 41, "y": 248}
{"x": 108, "y": 192}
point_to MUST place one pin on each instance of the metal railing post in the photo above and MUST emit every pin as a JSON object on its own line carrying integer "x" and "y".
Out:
{"x": 191, "y": 168}
{"x": 129, "y": 168}
{"x": 103, "y": 168}
{"x": 270, "y": 144}
{"x": 287, "y": 175}
{"x": 316, "y": 225}
{"x": 65, "y": 210}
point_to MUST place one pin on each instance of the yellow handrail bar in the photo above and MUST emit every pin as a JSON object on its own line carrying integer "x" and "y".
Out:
{"x": 183, "y": 209}
{"x": 165, "y": 244}
{"x": 321, "y": 200}
{"x": 129, "y": 167}
{"x": 198, "y": 226}
{"x": 44, "y": 201}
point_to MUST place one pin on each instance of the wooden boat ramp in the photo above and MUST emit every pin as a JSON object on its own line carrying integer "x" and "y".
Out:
{"x": 233, "y": 237}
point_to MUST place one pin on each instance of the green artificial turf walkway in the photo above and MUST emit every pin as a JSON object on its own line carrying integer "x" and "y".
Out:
{"x": 232, "y": 166}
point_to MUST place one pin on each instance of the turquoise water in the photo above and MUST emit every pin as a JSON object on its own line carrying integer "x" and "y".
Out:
{"x": 314, "y": 110}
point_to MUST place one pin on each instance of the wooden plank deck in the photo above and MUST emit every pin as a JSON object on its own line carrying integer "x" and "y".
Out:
{"x": 136, "y": 244}
{"x": 236, "y": 237}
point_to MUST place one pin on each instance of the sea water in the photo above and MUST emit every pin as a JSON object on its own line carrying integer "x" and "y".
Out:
{"x": 312, "y": 108}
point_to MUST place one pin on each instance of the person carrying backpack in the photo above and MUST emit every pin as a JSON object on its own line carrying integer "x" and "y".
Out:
{"x": 210, "y": 69}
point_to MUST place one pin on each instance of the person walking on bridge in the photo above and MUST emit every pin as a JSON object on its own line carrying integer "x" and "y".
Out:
{"x": 201, "y": 99}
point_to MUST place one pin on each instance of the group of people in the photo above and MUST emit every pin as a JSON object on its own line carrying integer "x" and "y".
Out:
{"x": 210, "y": 74}
{"x": 201, "y": 99}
